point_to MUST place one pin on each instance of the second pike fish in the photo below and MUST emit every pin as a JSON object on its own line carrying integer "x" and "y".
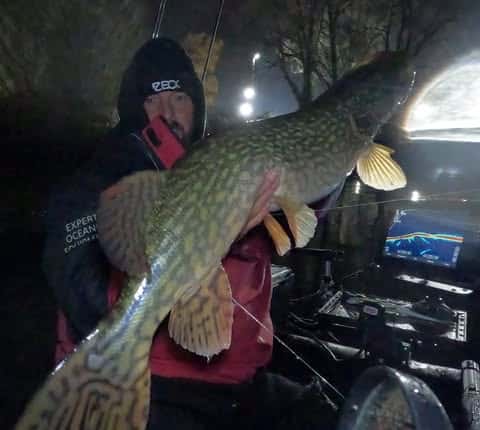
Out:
{"x": 169, "y": 231}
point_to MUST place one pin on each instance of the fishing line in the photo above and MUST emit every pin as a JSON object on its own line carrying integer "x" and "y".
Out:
{"x": 285, "y": 345}
{"x": 429, "y": 197}
{"x": 289, "y": 349}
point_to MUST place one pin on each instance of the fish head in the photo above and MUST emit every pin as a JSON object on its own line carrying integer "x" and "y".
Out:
{"x": 374, "y": 90}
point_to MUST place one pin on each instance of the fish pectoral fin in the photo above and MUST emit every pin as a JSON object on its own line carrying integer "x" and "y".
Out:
{"x": 301, "y": 220}
{"x": 121, "y": 216}
{"x": 202, "y": 322}
{"x": 377, "y": 169}
{"x": 277, "y": 233}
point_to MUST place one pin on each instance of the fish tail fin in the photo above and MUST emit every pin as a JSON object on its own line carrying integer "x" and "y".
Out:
{"x": 91, "y": 389}
{"x": 377, "y": 169}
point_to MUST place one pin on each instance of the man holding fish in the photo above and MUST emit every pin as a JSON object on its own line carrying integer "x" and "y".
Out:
{"x": 161, "y": 109}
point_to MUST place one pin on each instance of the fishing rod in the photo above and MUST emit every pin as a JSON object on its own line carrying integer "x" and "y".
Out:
{"x": 207, "y": 60}
{"x": 156, "y": 34}
{"x": 159, "y": 19}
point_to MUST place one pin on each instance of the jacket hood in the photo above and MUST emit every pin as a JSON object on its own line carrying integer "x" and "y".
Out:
{"x": 159, "y": 65}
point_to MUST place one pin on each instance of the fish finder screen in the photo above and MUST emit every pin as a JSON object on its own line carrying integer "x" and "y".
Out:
{"x": 425, "y": 236}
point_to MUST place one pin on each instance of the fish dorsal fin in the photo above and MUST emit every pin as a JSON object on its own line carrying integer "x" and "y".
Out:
{"x": 277, "y": 233}
{"x": 121, "y": 216}
{"x": 301, "y": 219}
{"x": 377, "y": 169}
{"x": 201, "y": 322}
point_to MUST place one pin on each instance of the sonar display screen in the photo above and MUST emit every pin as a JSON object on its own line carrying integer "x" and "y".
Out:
{"x": 424, "y": 237}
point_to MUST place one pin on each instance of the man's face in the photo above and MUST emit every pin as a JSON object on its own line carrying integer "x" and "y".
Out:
{"x": 176, "y": 108}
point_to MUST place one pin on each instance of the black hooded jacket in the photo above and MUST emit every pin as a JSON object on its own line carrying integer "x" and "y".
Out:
{"x": 73, "y": 261}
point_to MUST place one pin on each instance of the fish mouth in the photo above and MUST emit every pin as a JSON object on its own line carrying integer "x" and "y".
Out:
{"x": 372, "y": 120}
{"x": 409, "y": 84}
{"x": 406, "y": 82}
{"x": 409, "y": 73}
{"x": 402, "y": 83}
{"x": 400, "y": 63}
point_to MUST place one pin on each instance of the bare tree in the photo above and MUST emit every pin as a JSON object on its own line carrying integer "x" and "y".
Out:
{"x": 316, "y": 41}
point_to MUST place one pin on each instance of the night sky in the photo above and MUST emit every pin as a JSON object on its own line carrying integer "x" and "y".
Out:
{"x": 454, "y": 41}
{"x": 234, "y": 70}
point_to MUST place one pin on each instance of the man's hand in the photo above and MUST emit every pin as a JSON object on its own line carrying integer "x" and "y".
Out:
{"x": 261, "y": 206}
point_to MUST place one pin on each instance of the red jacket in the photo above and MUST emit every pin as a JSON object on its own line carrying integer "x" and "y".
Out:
{"x": 248, "y": 269}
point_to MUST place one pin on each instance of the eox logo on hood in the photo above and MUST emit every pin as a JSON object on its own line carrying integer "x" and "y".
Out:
{"x": 169, "y": 85}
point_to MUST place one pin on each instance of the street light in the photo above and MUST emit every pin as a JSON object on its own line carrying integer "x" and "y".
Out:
{"x": 249, "y": 93}
{"x": 245, "y": 109}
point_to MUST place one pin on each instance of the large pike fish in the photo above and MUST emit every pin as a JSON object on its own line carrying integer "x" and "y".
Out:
{"x": 169, "y": 231}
